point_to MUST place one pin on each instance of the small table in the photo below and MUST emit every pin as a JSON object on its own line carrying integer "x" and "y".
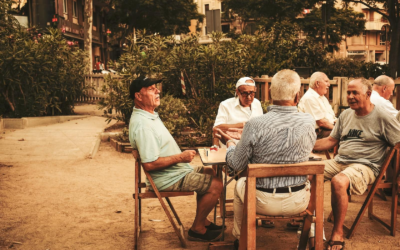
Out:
{"x": 218, "y": 158}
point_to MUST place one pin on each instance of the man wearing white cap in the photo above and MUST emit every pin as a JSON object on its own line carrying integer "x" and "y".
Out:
{"x": 236, "y": 111}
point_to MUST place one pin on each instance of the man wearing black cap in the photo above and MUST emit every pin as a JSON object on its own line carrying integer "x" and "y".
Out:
{"x": 167, "y": 165}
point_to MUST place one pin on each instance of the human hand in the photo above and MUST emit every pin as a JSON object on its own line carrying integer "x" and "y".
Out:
{"x": 223, "y": 137}
{"x": 188, "y": 155}
{"x": 235, "y": 133}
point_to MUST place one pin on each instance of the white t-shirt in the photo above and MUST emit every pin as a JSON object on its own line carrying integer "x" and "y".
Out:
{"x": 231, "y": 112}
{"x": 385, "y": 104}
{"x": 316, "y": 105}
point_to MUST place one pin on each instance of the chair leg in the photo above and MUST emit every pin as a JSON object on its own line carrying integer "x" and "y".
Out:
{"x": 248, "y": 231}
{"x": 395, "y": 196}
{"x": 173, "y": 211}
{"x": 140, "y": 213}
{"x": 364, "y": 207}
{"x": 137, "y": 226}
{"x": 381, "y": 194}
{"x": 171, "y": 220}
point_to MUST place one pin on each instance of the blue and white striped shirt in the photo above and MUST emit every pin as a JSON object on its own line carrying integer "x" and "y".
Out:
{"x": 281, "y": 136}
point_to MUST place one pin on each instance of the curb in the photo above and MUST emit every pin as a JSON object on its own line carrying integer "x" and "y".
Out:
{"x": 26, "y": 122}
{"x": 106, "y": 136}
{"x": 94, "y": 149}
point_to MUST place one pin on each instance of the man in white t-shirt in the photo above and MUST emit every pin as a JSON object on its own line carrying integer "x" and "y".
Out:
{"x": 382, "y": 90}
{"x": 315, "y": 103}
{"x": 236, "y": 111}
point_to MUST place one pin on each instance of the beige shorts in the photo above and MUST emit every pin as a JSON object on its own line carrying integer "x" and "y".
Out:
{"x": 195, "y": 181}
{"x": 360, "y": 175}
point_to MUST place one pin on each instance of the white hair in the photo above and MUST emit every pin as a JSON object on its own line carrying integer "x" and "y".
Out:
{"x": 316, "y": 76}
{"x": 285, "y": 85}
{"x": 365, "y": 84}
{"x": 383, "y": 80}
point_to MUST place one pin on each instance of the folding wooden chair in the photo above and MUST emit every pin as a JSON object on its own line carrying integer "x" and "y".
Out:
{"x": 314, "y": 168}
{"x": 379, "y": 184}
{"x": 139, "y": 195}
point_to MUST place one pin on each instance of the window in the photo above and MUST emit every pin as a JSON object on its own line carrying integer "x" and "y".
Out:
{"x": 382, "y": 38}
{"x": 65, "y": 6}
{"x": 364, "y": 34}
{"x": 225, "y": 28}
{"x": 223, "y": 6}
{"x": 75, "y": 9}
{"x": 207, "y": 7}
{"x": 371, "y": 16}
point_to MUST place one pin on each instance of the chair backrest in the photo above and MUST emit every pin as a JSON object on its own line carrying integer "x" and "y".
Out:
{"x": 393, "y": 151}
{"x": 296, "y": 169}
{"x": 138, "y": 171}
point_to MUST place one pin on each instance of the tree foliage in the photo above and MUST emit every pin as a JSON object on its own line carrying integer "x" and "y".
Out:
{"x": 343, "y": 22}
{"x": 268, "y": 12}
{"x": 211, "y": 71}
{"x": 389, "y": 9}
{"x": 40, "y": 73}
{"x": 162, "y": 16}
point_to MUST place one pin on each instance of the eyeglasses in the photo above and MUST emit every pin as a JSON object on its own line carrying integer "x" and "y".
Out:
{"x": 246, "y": 94}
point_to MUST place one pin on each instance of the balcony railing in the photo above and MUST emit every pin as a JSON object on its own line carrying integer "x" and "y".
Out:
{"x": 374, "y": 25}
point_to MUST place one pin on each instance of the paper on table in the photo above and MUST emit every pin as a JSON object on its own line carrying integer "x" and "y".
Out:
{"x": 212, "y": 157}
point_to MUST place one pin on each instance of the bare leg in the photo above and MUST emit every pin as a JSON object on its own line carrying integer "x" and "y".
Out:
{"x": 339, "y": 202}
{"x": 206, "y": 203}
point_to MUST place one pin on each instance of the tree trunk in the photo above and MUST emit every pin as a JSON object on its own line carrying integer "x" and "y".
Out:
{"x": 394, "y": 48}
{"x": 88, "y": 27}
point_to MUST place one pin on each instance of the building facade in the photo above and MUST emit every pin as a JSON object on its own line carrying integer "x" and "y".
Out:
{"x": 373, "y": 44}
{"x": 68, "y": 15}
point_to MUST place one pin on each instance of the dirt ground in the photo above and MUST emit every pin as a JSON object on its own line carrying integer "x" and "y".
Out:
{"x": 87, "y": 204}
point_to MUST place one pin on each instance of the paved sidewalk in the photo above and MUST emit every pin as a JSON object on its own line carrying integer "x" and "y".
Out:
{"x": 74, "y": 139}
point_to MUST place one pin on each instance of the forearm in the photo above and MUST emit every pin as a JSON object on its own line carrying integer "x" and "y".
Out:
{"x": 325, "y": 143}
{"x": 163, "y": 162}
{"x": 225, "y": 127}
{"x": 324, "y": 123}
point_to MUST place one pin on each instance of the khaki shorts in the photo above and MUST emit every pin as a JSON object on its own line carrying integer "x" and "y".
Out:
{"x": 195, "y": 181}
{"x": 360, "y": 176}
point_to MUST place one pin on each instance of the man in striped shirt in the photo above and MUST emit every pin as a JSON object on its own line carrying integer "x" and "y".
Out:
{"x": 283, "y": 135}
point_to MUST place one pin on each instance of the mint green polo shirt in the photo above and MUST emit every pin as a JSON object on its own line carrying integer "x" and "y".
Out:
{"x": 152, "y": 139}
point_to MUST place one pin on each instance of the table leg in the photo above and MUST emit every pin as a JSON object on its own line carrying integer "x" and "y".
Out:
{"x": 224, "y": 204}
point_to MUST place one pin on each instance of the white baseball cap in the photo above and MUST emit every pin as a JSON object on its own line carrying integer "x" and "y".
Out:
{"x": 242, "y": 81}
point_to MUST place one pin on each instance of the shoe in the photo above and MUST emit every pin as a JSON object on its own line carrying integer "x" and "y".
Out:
{"x": 236, "y": 245}
{"x": 208, "y": 236}
{"x": 332, "y": 243}
{"x": 268, "y": 224}
{"x": 292, "y": 226}
{"x": 213, "y": 226}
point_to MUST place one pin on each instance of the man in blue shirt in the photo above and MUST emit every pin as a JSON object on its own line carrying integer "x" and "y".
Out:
{"x": 282, "y": 135}
{"x": 167, "y": 165}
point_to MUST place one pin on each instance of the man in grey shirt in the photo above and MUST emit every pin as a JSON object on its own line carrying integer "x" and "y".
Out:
{"x": 363, "y": 132}
{"x": 283, "y": 135}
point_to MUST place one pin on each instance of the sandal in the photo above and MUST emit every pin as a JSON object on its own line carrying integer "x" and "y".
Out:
{"x": 332, "y": 243}
{"x": 268, "y": 224}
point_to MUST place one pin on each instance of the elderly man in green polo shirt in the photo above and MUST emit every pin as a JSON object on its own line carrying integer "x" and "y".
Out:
{"x": 167, "y": 165}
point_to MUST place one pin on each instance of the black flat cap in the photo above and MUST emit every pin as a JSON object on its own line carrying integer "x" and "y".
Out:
{"x": 139, "y": 83}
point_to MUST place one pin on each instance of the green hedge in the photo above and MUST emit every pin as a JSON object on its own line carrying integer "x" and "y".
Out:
{"x": 40, "y": 74}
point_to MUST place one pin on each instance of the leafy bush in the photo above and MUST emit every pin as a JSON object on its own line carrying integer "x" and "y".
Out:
{"x": 173, "y": 114}
{"x": 40, "y": 73}
{"x": 347, "y": 67}
{"x": 117, "y": 98}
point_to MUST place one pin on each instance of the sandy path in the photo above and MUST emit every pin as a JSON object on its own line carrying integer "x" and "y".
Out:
{"x": 75, "y": 204}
